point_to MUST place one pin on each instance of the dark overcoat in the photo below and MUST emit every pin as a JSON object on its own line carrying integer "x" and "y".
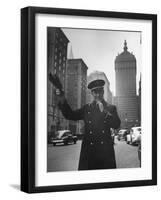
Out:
{"x": 97, "y": 151}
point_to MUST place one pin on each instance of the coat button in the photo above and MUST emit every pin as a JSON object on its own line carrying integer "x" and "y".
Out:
{"x": 101, "y": 142}
{"x": 90, "y": 132}
{"x": 91, "y": 143}
{"x": 103, "y": 131}
{"x": 104, "y": 121}
{"x": 89, "y": 122}
{"x": 88, "y": 112}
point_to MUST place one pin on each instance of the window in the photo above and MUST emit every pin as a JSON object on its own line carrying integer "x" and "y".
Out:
{"x": 63, "y": 65}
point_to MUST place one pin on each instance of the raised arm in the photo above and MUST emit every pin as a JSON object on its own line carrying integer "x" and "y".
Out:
{"x": 62, "y": 102}
{"x": 66, "y": 109}
{"x": 69, "y": 113}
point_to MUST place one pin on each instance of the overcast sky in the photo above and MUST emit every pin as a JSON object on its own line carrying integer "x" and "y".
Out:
{"x": 99, "y": 48}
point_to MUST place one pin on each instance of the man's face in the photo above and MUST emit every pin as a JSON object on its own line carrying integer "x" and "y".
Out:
{"x": 98, "y": 94}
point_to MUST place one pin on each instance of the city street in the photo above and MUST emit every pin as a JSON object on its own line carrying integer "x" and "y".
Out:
{"x": 66, "y": 158}
{"x": 126, "y": 155}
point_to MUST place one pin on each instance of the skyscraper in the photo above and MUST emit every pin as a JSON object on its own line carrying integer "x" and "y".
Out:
{"x": 126, "y": 99}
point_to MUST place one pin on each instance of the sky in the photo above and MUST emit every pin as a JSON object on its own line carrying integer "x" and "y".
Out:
{"x": 99, "y": 48}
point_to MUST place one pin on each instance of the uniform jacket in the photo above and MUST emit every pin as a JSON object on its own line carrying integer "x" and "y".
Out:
{"x": 97, "y": 151}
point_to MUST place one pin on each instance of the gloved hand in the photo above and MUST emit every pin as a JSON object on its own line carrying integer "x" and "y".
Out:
{"x": 60, "y": 96}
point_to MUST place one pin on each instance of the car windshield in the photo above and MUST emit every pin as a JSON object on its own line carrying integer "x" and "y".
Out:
{"x": 66, "y": 134}
{"x": 58, "y": 134}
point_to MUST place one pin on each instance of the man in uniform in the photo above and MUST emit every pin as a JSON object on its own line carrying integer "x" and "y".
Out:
{"x": 97, "y": 151}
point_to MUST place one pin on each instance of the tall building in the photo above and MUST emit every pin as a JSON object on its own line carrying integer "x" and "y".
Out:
{"x": 76, "y": 89}
{"x": 57, "y": 44}
{"x": 126, "y": 99}
{"x": 139, "y": 102}
{"x": 107, "y": 92}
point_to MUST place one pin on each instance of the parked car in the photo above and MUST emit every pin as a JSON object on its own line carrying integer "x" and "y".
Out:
{"x": 122, "y": 134}
{"x": 50, "y": 137}
{"x": 65, "y": 137}
{"x": 132, "y": 138}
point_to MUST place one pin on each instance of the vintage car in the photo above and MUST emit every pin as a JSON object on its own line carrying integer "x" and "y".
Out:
{"x": 64, "y": 137}
{"x": 135, "y": 133}
{"x": 122, "y": 134}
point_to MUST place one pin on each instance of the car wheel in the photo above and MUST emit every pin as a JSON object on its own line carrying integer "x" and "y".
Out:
{"x": 65, "y": 143}
{"x": 54, "y": 144}
{"x": 75, "y": 141}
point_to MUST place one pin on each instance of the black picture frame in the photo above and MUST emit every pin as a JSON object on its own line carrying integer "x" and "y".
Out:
{"x": 28, "y": 91}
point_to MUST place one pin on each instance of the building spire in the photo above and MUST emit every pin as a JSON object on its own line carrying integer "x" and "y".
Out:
{"x": 70, "y": 52}
{"x": 125, "y": 45}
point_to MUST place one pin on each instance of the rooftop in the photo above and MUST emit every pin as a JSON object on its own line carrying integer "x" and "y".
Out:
{"x": 125, "y": 56}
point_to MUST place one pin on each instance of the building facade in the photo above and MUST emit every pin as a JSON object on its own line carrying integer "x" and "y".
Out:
{"x": 139, "y": 102}
{"x": 76, "y": 89}
{"x": 107, "y": 92}
{"x": 57, "y": 44}
{"x": 126, "y": 99}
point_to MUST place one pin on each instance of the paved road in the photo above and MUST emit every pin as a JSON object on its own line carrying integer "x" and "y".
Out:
{"x": 126, "y": 155}
{"x": 65, "y": 158}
